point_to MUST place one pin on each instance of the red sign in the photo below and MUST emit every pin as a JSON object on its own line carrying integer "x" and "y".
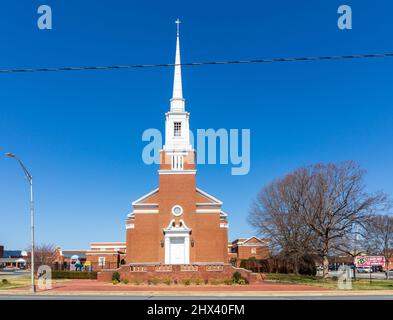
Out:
{"x": 369, "y": 261}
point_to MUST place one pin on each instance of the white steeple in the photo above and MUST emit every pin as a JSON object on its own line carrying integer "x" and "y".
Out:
{"x": 177, "y": 101}
{"x": 177, "y": 129}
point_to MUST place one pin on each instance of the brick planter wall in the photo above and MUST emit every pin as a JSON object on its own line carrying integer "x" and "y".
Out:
{"x": 143, "y": 273}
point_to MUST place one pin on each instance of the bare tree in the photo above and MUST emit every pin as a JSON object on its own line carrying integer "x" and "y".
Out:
{"x": 277, "y": 215}
{"x": 314, "y": 210}
{"x": 44, "y": 254}
{"x": 336, "y": 202}
{"x": 379, "y": 235}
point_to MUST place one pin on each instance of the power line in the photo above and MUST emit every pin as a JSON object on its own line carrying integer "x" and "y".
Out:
{"x": 354, "y": 56}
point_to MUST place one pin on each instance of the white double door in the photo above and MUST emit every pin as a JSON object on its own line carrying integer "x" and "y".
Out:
{"x": 177, "y": 250}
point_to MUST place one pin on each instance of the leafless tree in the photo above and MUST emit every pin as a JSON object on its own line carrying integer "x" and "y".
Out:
{"x": 314, "y": 209}
{"x": 277, "y": 215}
{"x": 379, "y": 236}
{"x": 336, "y": 202}
{"x": 44, "y": 254}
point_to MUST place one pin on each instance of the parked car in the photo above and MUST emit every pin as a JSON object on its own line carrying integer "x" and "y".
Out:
{"x": 364, "y": 270}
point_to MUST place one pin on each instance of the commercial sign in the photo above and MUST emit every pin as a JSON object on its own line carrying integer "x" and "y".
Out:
{"x": 369, "y": 261}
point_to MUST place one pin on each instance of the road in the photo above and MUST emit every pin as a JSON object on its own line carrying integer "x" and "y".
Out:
{"x": 13, "y": 273}
{"x": 111, "y": 297}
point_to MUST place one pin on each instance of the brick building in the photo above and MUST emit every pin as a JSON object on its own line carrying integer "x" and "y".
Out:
{"x": 177, "y": 223}
{"x": 106, "y": 255}
{"x": 246, "y": 248}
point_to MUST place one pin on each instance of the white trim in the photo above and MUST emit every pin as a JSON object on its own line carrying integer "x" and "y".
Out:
{"x": 208, "y": 204}
{"x": 101, "y": 253}
{"x": 145, "y": 196}
{"x": 223, "y": 214}
{"x": 148, "y": 205}
{"x": 208, "y": 211}
{"x": 145, "y": 211}
{"x": 209, "y": 196}
{"x": 177, "y": 214}
{"x": 223, "y": 225}
{"x": 130, "y": 226}
{"x": 176, "y": 171}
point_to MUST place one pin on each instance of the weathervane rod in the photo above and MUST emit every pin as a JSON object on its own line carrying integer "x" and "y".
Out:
{"x": 178, "y": 25}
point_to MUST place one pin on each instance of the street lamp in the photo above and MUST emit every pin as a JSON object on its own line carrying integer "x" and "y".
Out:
{"x": 30, "y": 179}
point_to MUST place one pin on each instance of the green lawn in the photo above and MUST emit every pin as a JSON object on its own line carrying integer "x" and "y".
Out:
{"x": 358, "y": 284}
{"x": 20, "y": 282}
{"x": 13, "y": 283}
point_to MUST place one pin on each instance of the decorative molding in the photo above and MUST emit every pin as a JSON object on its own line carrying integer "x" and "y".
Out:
{"x": 145, "y": 196}
{"x": 209, "y": 196}
{"x": 130, "y": 226}
{"x": 145, "y": 211}
{"x": 176, "y": 171}
{"x": 223, "y": 225}
{"x": 208, "y": 211}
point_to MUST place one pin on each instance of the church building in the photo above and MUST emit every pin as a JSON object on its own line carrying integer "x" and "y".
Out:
{"x": 177, "y": 223}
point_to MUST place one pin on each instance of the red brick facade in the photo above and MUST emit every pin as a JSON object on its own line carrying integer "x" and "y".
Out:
{"x": 243, "y": 249}
{"x": 201, "y": 216}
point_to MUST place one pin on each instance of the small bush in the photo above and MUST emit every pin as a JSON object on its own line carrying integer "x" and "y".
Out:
{"x": 335, "y": 278}
{"x": 243, "y": 264}
{"x": 116, "y": 276}
{"x": 186, "y": 282}
{"x": 242, "y": 282}
{"x": 136, "y": 282}
{"x": 167, "y": 281}
{"x": 5, "y": 281}
{"x": 125, "y": 281}
{"x": 74, "y": 275}
{"x": 153, "y": 281}
{"x": 307, "y": 266}
{"x": 215, "y": 282}
{"x": 236, "y": 277}
{"x": 228, "y": 282}
{"x": 198, "y": 281}
{"x": 115, "y": 281}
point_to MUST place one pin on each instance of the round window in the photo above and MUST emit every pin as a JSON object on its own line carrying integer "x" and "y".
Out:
{"x": 177, "y": 210}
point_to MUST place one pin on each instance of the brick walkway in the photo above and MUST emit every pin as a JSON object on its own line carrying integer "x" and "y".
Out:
{"x": 75, "y": 286}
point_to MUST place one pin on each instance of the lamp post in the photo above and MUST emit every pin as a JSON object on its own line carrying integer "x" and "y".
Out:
{"x": 30, "y": 179}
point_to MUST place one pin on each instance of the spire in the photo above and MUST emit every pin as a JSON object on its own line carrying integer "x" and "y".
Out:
{"x": 177, "y": 101}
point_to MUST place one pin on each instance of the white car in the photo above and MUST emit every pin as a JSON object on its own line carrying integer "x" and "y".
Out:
{"x": 364, "y": 270}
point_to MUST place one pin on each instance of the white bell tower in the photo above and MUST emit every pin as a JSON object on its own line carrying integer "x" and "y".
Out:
{"x": 177, "y": 128}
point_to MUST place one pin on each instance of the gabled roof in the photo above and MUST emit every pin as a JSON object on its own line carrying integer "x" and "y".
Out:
{"x": 209, "y": 197}
{"x": 141, "y": 200}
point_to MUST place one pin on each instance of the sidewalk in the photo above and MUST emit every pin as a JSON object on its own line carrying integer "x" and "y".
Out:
{"x": 91, "y": 287}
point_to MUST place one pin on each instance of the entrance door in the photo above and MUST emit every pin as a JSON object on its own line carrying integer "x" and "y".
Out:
{"x": 177, "y": 250}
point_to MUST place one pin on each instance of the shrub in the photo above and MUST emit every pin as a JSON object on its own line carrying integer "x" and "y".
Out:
{"x": 5, "y": 281}
{"x": 228, "y": 282}
{"x": 242, "y": 281}
{"x": 74, "y": 275}
{"x": 215, "y": 282}
{"x": 167, "y": 281}
{"x": 236, "y": 277}
{"x": 125, "y": 281}
{"x": 243, "y": 264}
{"x": 198, "y": 281}
{"x": 186, "y": 282}
{"x": 307, "y": 266}
{"x": 116, "y": 276}
{"x": 115, "y": 281}
{"x": 153, "y": 281}
{"x": 136, "y": 282}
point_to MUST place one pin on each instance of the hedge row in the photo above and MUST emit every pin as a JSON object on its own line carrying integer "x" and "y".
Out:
{"x": 74, "y": 275}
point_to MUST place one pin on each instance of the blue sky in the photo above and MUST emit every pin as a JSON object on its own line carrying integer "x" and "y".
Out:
{"x": 79, "y": 133}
